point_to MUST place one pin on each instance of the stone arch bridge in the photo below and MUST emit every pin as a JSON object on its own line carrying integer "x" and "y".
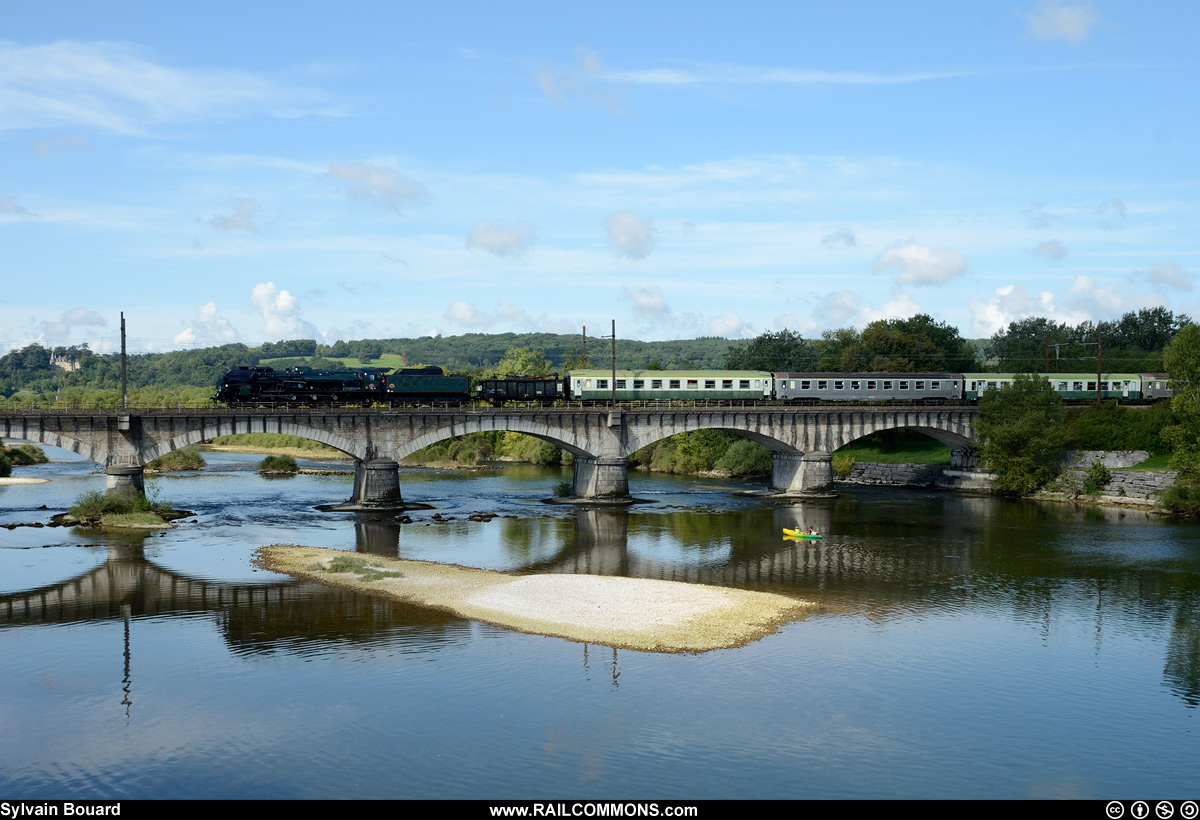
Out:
{"x": 802, "y": 439}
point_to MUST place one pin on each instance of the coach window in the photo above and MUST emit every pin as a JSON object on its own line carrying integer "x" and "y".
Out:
{"x": 839, "y": 385}
{"x": 620, "y": 384}
{"x": 710, "y": 384}
{"x": 656, "y": 384}
{"x": 744, "y": 384}
{"x": 726, "y": 384}
{"x": 887, "y": 385}
{"x": 804, "y": 385}
{"x": 1062, "y": 386}
{"x": 903, "y": 385}
{"x": 693, "y": 384}
{"x": 872, "y": 385}
{"x": 639, "y": 384}
{"x": 855, "y": 386}
{"x": 935, "y": 385}
{"x": 822, "y": 385}
{"x": 991, "y": 385}
{"x": 1091, "y": 387}
{"x": 674, "y": 384}
{"x": 919, "y": 386}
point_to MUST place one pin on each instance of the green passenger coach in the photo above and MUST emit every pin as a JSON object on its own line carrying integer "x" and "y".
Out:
{"x": 671, "y": 385}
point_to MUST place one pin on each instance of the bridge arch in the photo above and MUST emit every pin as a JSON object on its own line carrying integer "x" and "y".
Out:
{"x": 559, "y": 437}
{"x": 212, "y": 428}
{"x": 74, "y": 445}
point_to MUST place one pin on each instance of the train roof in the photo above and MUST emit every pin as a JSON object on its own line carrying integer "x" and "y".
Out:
{"x": 671, "y": 374}
{"x": 790, "y": 375}
{"x": 1060, "y": 376}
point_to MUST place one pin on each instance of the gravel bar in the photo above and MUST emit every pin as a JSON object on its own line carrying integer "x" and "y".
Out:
{"x": 631, "y": 613}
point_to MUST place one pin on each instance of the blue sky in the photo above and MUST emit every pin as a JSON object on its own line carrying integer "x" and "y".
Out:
{"x": 256, "y": 171}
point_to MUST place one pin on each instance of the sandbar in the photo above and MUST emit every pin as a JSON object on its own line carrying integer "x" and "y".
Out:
{"x": 21, "y": 479}
{"x": 631, "y": 613}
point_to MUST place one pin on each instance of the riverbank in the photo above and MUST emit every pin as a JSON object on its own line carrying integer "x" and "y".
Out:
{"x": 628, "y": 613}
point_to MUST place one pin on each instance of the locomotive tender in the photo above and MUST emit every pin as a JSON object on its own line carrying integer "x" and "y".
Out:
{"x": 367, "y": 386}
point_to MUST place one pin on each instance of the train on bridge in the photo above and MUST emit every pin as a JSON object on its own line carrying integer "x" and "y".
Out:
{"x": 430, "y": 386}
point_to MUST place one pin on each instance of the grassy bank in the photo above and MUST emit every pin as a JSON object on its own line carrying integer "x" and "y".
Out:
{"x": 186, "y": 458}
{"x": 275, "y": 444}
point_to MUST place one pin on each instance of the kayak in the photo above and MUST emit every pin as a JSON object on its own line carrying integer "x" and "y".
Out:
{"x": 798, "y": 534}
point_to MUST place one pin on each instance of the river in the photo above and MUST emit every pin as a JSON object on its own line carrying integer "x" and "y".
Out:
{"x": 966, "y": 647}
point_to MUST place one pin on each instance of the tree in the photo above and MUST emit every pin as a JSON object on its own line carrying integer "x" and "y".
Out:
{"x": 918, "y": 344}
{"x": 1022, "y": 434}
{"x": 523, "y": 361}
{"x": 786, "y": 350}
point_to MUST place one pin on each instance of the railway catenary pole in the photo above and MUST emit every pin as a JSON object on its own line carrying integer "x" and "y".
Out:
{"x": 614, "y": 364}
{"x": 1098, "y": 367}
{"x": 124, "y": 394}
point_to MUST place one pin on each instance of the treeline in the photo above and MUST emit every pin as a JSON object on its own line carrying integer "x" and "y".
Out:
{"x": 1134, "y": 343}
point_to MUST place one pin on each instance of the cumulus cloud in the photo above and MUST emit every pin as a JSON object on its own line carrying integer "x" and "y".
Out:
{"x": 1050, "y": 249}
{"x": 282, "y": 318}
{"x": 209, "y": 327}
{"x": 379, "y": 186}
{"x": 900, "y": 306}
{"x": 71, "y": 319}
{"x": 842, "y": 236}
{"x": 500, "y": 239}
{"x": 241, "y": 219}
{"x": 630, "y": 235}
{"x": 578, "y": 82}
{"x": 1010, "y": 303}
{"x": 467, "y": 314}
{"x": 1169, "y": 275}
{"x": 921, "y": 264}
{"x": 728, "y": 325}
{"x": 1094, "y": 299}
{"x": 1056, "y": 19}
{"x": 648, "y": 303}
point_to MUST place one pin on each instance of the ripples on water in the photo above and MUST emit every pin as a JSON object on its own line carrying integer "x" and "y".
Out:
{"x": 966, "y": 647}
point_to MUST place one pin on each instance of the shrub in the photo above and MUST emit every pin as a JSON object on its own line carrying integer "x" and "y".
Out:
{"x": 1181, "y": 500}
{"x": 278, "y": 465}
{"x": 27, "y": 454}
{"x": 564, "y": 488}
{"x": 1097, "y": 479}
{"x": 185, "y": 459}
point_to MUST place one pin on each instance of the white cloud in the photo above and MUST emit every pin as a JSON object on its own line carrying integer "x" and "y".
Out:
{"x": 648, "y": 303}
{"x": 629, "y": 234}
{"x": 1054, "y": 19}
{"x": 718, "y": 74}
{"x": 45, "y": 147}
{"x": 1013, "y": 302}
{"x": 1051, "y": 249}
{"x": 76, "y": 317}
{"x": 380, "y": 186}
{"x": 728, "y": 325}
{"x": 209, "y": 327}
{"x": 108, "y": 86}
{"x": 244, "y": 209}
{"x": 281, "y": 314}
{"x": 1169, "y": 275}
{"x": 467, "y": 314}
{"x": 578, "y": 82}
{"x": 921, "y": 264}
{"x": 1115, "y": 205}
{"x": 900, "y": 306}
{"x": 500, "y": 239}
{"x": 1100, "y": 301}
{"x": 842, "y": 236}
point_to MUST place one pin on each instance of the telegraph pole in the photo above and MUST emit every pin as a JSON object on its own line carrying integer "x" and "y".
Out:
{"x": 614, "y": 363}
{"x": 1098, "y": 367}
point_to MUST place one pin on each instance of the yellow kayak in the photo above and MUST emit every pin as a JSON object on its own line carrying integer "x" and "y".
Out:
{"x": 798, "y": 534}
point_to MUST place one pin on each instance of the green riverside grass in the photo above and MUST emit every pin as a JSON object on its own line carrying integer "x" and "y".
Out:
{"x": 186, "y": 458}
{"x": 278, "y": 465}
{"x": 352, "y": 563}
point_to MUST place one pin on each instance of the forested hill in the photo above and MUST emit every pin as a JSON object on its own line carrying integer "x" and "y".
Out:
{"x": 40, "y": 369}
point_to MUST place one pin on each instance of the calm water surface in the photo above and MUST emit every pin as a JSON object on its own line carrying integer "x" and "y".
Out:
{"x": 966, "y": 647}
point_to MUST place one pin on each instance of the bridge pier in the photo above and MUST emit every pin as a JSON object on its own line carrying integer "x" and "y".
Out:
{"x": 376, "y": 484}
{"x": 125, "y": 479}
{"x": 807, "y": 474}
{"x": 964, "y": 457}
{"x": 601, "y": 479}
